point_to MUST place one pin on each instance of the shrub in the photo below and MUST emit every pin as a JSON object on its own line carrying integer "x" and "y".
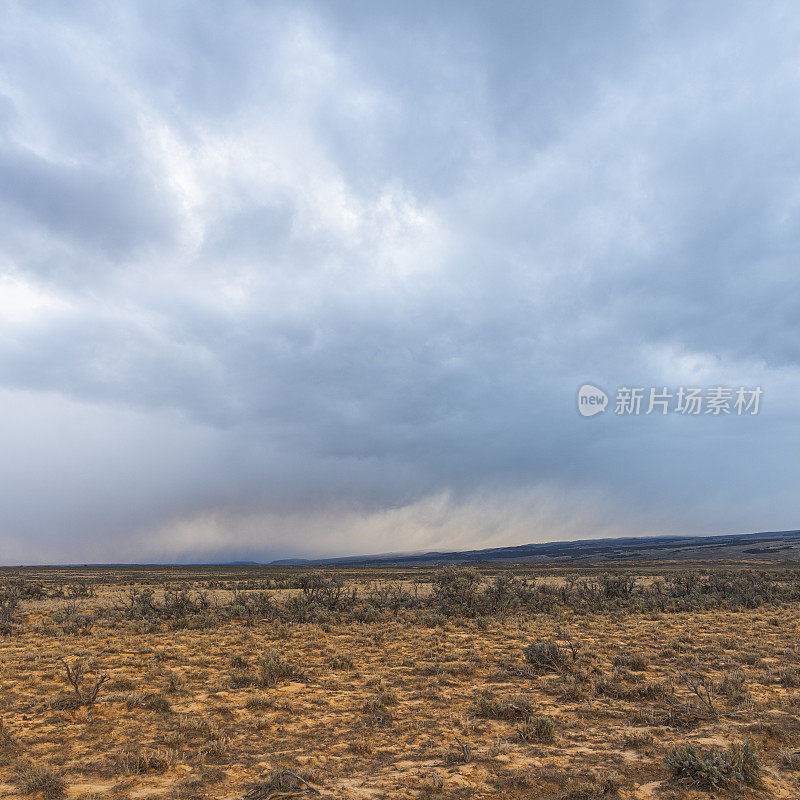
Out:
{"x": 239, "y": 661}
{"x": 9, "y": 603}
{"x": 80, "y": 589}
{"x": 273, "y": 669}
{"x": 179, "y": 606}
{"x": 460, "y": 753}
{"x": 279, "y": 781}
{"x": 74, "y": 620}
{"x": 633, "y": 661}
{"x": 637, "y": 739}
{"x": 341, "y": 661}
{"x": 432, "y": 619}
{"x": 139, "y": 762}
{"x": 80, "y": 624}
{"x": 317, "y": 588}
{"x": 7, "y": 741}
{"x": 790, "y": 677}
{"x": 744, "y": 760}
{"x": 259, "y": 702}
{"x": 616, "y": 586}
{"x": 492, "y": 707}
{"x": 703, "y": 690}
{"x": 572, "y": 691}
{"x": 40, "y": 779}
{"x": 217, "y": 749}
{"x": 86, "y": 695}
{"x": 376, "y": 706}
{"x": 714, "y": 769}
{"x": 733, "y": 685}
{"x": 548, "y": 654}
{"x": 503, "y": 595}
{"x": 240, "y": 679}
{"x": 251, "y": 606}
{"x": 536, "y": 729}
{"x": 152, "y": 702}
{"x": 174, "y": 681}
{"x": 455, "y": 591}
{"x": 197, "y": 726}
{"x": 609, "y": 687}
{"x": 439, "y": 668}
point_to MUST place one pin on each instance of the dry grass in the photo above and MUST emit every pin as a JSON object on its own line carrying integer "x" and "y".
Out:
{"x": 41, "y": 779}
{"x": 574, "y": 702}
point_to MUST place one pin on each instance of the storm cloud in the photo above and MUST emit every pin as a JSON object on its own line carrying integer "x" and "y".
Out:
{"x": 324, "y": 278}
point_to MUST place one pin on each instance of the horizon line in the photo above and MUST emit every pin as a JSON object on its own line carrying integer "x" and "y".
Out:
{"x": 289, "y": 561}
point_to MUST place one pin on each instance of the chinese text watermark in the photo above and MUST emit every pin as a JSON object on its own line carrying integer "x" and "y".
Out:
{"x": 684, "y": 400}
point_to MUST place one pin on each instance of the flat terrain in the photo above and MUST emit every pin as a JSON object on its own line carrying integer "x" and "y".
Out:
{"x": 449, "y": 683}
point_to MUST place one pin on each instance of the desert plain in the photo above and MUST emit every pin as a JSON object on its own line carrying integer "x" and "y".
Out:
{"x": 647, "y": 681}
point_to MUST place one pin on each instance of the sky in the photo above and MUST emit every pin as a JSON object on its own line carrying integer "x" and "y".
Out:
{"x": 318, "y": 279}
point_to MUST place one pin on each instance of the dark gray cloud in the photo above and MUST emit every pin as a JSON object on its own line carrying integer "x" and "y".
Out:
{"x": 324, "y": 278}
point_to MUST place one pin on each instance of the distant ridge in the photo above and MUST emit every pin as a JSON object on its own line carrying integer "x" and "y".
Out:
{"x": 769, "y": 546}
{"x": 766, "y": 546}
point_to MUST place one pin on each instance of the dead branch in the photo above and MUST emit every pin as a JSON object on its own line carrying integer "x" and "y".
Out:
{"x": 74, "y": 676}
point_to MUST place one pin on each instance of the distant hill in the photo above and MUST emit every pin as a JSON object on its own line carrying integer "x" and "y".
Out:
{"x": 768, "y": 546}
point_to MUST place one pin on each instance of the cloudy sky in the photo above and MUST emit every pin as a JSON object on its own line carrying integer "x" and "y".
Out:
{"x": 324, "y": 278}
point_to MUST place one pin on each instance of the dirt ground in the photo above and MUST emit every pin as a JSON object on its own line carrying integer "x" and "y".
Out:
{"x": 407, "y": 707}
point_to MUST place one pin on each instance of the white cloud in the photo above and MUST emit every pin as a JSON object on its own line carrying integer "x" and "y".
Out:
{"x": 342, "y": 274}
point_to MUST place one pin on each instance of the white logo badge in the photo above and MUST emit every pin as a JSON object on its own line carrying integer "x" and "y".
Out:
{"x": 591, "y": 400}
